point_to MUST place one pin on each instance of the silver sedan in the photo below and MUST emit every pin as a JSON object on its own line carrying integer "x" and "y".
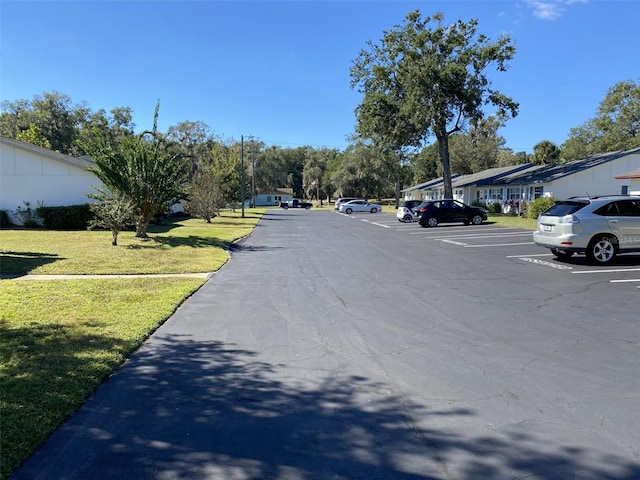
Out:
{"x": 359, "y": 206}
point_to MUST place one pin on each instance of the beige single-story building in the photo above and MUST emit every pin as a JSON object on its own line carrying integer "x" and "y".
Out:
{"x": 273, "y": 197}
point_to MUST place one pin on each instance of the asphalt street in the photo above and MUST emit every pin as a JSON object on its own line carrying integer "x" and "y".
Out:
{"x": 355, "y": 347}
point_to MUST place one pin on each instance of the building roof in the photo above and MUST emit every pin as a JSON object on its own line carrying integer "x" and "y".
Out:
{"x": 487, "y": 176}
{"x": 81, "y": 162}
{"x": 548, "y": 173}
{"x": 478, "y": 178}
{"x": 277, "y": 191}
{"x": 428, "y": 184}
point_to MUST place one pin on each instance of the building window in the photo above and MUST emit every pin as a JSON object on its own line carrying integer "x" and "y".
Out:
{"x": 625, "y": 190}
{"x": 537, "y": 192}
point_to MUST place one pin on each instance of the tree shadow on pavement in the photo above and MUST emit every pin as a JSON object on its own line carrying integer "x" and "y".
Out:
{"x": 181, "y": 409}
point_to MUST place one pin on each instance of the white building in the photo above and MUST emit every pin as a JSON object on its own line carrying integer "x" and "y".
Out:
{"x": 594, "y": 175}
{"x": 632, "y": 179}
{"x": 29, "y": 173}
{"x": 603, "y": 174}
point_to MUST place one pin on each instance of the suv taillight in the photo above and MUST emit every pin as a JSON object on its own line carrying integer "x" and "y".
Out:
{"x": 568, "y": 220}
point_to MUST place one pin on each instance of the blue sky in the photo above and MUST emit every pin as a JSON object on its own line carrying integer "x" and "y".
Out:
{"x": 279, "y": 70}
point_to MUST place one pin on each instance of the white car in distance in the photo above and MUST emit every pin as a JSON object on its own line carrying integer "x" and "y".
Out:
{"x": 359, "y": 206}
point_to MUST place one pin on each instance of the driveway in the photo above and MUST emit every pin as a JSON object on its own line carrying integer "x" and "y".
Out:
{"x": 351, "y": 347}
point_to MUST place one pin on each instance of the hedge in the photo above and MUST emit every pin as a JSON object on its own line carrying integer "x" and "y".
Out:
{"x": 72, "y": 217}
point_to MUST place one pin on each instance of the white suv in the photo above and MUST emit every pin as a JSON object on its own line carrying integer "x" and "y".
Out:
{"x": 599, "y": 227}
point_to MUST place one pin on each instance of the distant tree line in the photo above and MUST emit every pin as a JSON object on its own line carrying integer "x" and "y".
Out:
{"x": 424, "y": 79}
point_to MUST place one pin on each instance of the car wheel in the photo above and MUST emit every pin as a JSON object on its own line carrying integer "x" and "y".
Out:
{"x": 476, "y": 220}
{"x": 430, "y": 222}
{"x": 374, "y": 210}
{"x": 286, "y": 207}
{"x": 561, "y": 254}
{"x": 307, "y": 207}
{"x": 407, "y": 219}
{"x": 348, "y": 211}
{"x": 602, "y": 250}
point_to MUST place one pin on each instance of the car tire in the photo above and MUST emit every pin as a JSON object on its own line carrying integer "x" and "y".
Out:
{"x": 561, "y": 254}
{"x": 348, "y": 211}
{"x": 374, "y": 210}
{"x": 407, "y": 219}
{"x": 476, "y": 220}
{"x": 286, "y": 207}
{"x": 307, "y": 207}
{"x": 430, "y": 222}
{"x": 602, "y": 250}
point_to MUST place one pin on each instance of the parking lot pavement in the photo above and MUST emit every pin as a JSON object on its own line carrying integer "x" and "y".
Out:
{"x": 341, "y": 348}
{"x": 513, "y": 244}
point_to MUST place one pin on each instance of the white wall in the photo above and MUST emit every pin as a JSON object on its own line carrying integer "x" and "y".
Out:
{"x": 30, "y": 176}
{"x": 599, "y": 180}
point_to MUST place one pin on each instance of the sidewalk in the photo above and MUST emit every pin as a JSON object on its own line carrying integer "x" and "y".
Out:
{"x": 82, "y": 277}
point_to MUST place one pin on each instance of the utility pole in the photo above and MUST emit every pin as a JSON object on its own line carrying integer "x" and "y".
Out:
{"x": 242, "y": 172}
{"x": 253, "y": 172}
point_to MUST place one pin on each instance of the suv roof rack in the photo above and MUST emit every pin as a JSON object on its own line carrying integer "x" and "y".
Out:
{"x": 595, "y": 197}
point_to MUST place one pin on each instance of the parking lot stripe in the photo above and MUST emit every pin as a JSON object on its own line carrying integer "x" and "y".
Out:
{"x": 625, "y": 280}
{"x": 483, "y": 235}
{"x": 375, "y": 223}
{"x": 547, "y": 264}
{"x": 469, "y": 229}
{"x": 533, "y": 255}
{"x": 614, "y": 270}
{"x": 498, "y": 245}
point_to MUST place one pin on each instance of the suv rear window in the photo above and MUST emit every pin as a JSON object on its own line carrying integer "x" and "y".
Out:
{"x": 560, "y": 209}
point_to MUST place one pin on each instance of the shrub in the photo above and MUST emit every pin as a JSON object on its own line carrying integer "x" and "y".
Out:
{"x": 538, "y": 206}
{"x": 72, "y": 217}
{"x": 478, "y": 203}
{"x": 27, "y": 216}
{"x": 495, "y": 207}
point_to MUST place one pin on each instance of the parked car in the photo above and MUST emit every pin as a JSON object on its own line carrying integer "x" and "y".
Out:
{"x": 444, "y": 211}
{"x": 406, "y": 211}
{"x": 359, "y": 206}
{"x": 342, "y": 200}
{"x": 599, "y": 227}
{"x": 295, "y": 203}
{"x": 420, "y": 209}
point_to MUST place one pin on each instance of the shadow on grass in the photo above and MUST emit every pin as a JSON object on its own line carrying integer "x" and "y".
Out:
{"x": 47, "y": 372}
{"x": 13, "y": 264}
{"x": 183, "y": 409}
{"x": 190, "y": 241}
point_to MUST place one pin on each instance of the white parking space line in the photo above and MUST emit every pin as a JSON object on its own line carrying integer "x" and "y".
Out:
{"x": 498, "y": 245}
{"x": 484, "y": 235}
{"x": 489, "y": 229}
{"x": 613, "y": 270}
{"x": 557, "y": 266}
{"x": 375, "y": 223}
{"x": 533, "y": 255}
{"x": 624, "y": 280}
{"x": 453, "y": 242}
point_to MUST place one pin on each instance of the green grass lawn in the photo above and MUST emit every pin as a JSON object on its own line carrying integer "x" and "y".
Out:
{"x": 61, "y": 338}
{"x": 512, "y": 221}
